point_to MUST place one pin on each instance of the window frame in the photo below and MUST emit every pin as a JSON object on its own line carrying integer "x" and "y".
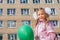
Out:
{"x": 46, "y": 1}
{"x": 53, "y": 13}
{"x": 13, "y": 36}
{"x": 1, "y": 2}
{"x": 35, "y": 9}
{"x": 1, "y": 11}
{"x": 2, "y": 36}
{"x": 2, "y": 23}
{"x": 10, "y": 25}
{"x": 11, "y": 2}
{"x": 57, "y": 25}
{"x": 58, "y": 34}
{"x": 26, "y": 10}
{"x": 26, "y": 1}
{"x": 9, "y": 11}
{"x": 29, "y": 22}
{"x": 36, "y": 2}
{"x": 58, "y": 1}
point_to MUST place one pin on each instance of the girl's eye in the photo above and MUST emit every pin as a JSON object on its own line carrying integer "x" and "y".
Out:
{"x": 42, "y": 14}
{"x": 38, "y": 14}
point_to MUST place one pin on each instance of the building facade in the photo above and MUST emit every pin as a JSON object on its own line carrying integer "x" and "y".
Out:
{"x": 14, "y": 13}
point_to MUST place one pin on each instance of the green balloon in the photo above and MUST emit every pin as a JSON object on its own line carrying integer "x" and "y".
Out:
{"x": 25, "y": 32}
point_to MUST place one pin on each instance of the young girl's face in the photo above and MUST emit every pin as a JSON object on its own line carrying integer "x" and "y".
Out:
{"x": 41, "y": 15}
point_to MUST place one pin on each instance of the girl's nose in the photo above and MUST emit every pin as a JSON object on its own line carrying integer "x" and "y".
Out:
{"x": 40, "y": 16}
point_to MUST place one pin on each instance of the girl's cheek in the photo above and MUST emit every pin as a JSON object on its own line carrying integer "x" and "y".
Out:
{"x": 43, "y": 16}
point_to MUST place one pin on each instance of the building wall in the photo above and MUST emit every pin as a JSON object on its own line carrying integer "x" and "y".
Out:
{"x": 18, "y": 17}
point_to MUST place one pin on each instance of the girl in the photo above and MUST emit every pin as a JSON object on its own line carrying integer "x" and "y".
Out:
{"x": 43, "y": 30}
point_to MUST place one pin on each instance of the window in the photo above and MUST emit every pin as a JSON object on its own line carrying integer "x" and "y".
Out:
{"x": 23, "y": 1}
{"x": 58, "y": 37}
{"x": 48, "y": 1}
{"x": 35, "y": 9}
{"x": 1, "y": 11}
{"x": 54, "y": 23}
{"x": 1, "y": 1}
{"x": 10, "y": 11}
{"x": 26, "y": 22}
{"x": 53, "y": 11}
{"x": 1, "y": 37}
{"x": 36, "y": 1}
{"x": 1, "y": 23}
{"x": 10, "y": 1}
{"x": 24, "y": 11}
{"x": 11, "y": 24}
{"x": 58, "y": 1}
{"x": 12, "y": 36}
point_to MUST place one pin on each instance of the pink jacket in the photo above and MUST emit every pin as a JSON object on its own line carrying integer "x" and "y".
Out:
{"x": 44, "y": 33}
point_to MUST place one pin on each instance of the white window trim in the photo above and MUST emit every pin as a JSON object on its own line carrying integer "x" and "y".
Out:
{"x": 17, "y": 37}
{"x": 29, "y": 12}
{"x": 55, "y": 11}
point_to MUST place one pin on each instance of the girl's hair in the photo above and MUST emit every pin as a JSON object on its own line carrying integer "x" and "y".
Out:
{"x": 46, "y": 16}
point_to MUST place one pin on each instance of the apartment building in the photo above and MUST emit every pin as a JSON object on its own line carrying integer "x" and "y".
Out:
{"x": 14, "y": 13}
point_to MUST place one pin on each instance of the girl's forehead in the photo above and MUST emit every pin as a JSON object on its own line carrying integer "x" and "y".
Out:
{"x": 41, "y": 11}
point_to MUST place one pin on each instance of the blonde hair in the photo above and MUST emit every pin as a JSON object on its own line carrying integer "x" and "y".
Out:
{"x": 46, "y": 16}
